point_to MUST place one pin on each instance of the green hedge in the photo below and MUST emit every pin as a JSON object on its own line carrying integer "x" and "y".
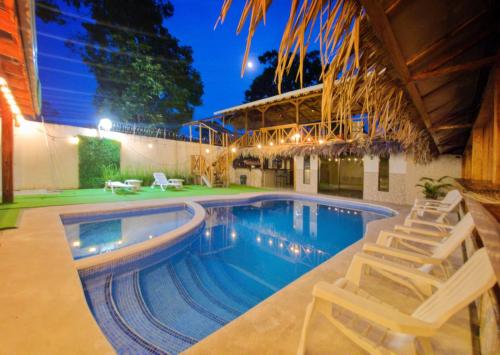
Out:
{"x": 95, "y": 156}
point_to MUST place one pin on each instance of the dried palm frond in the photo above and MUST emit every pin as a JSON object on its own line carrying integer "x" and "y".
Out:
{"x": 355, "y": 71}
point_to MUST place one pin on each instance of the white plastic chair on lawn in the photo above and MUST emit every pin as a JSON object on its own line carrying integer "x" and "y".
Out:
{"x": 389, "y": 243}
{"x": 379, "y": 328}
{"x": 438, "y": 212}
{"x": 164, "y": 183}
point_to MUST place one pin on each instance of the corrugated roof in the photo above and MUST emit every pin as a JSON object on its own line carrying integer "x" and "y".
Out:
{"x": 286, "y": 95}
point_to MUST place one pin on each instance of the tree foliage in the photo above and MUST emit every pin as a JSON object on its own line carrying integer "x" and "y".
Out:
{"x": 264, "y": 85}
{"x": 143, "y": 74}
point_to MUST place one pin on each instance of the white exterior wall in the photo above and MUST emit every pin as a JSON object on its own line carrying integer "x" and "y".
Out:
{"x": 298, "y": 164}
{"x": 44, "y": 158}
{"x": 254, "y": 176}
{"x": 404, "y": 175}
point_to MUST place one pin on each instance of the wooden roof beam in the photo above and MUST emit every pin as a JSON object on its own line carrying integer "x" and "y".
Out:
{"x": 442, "y": 40}
{"x": 451, "y": 127}
{"x": 461, "y": 48}
{"x": 392, "y": 7}
{"x": 382, "y": 28}
{"x": 464, "y": 67}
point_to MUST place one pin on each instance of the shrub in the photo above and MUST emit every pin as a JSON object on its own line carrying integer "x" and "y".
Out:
{"x": 95, "y": 156}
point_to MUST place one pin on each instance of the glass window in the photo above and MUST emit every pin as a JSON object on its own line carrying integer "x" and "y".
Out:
{"x": 307, "y": 169}
{"x": 383, "y": 174}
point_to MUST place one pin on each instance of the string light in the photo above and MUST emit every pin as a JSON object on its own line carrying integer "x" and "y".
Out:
{"x": 271, "y": 144}
{"x": 233, "y": 149}
{"x": 207, "y": 150}
{"x": 259, "y": 146}
{"x": 11, "y": 101}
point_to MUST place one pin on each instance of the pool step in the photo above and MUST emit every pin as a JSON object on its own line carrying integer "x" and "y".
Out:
{"x": 168, "y": 300}
{"x": 130, "y": 304}
{"x": 123, "y": 338}
{"x": 213, "y": 274}
{"x": 167, "y": 308}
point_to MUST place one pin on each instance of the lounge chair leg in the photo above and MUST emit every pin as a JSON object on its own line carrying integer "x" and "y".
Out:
{"x": 303, "y": 336}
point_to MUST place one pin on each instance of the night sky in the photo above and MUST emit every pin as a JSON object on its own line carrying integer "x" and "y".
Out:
{"x": 68, "y": 86}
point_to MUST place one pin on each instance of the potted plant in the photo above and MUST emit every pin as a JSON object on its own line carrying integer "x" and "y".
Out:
{"x": 432, "y": 188}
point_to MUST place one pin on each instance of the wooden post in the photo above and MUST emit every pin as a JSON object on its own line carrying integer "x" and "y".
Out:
{"x": 496, "y": 127}
{"x": 246, "y": 121}
{"x": 297, "y": 112}
{"x": 263, "y": 118}
{"x": 477, "y": 153}
{"x": 190, "y": 134}
{"x": 7, "y": 152}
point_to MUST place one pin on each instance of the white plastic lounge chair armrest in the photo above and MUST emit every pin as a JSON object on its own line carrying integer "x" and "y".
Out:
{"x": 430, "y": 203}
{"x": 372, "y": 311}
{"x": 401, "y": 254}
{"x": 428, "y": 223}
{"x": 362, "y": 259}
{"x": 410, "y": 237}
{"x": 421, "y": 231}
{"x": 429, "y": 209}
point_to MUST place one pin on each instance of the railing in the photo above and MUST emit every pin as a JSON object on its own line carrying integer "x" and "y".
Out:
{"x": 217, "y": 172}
{"x": 309, "y": 133}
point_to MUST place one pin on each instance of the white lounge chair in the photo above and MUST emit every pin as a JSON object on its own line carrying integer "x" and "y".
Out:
{"x": 361, "y": 317}
{"x": 426, "y": 259}
{"x": 450, "y": 198}
{"x": 113, "y": 185}
{"x": 164, "y": 183}
{"x": 438, "y": 212}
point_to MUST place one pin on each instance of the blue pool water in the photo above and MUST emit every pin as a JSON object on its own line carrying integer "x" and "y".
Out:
{"x": 90, "y": 235}
{"x": 170, "y": 299}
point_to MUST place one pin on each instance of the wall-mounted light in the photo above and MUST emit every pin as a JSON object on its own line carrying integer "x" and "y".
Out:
{"x": 74, "y": 140}
{"x": 207, "y": 150}
{"x": 105, "y": 124}
{"x": 150, "y": 146}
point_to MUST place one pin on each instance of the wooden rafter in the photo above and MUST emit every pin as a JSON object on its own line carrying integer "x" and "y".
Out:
{"x": 382, "y": 29}
{"x": 451, "y": 127}
{"x": 469, "y": 66}
{"x": 461, "y": 48}
{"x": 443, "y": 39}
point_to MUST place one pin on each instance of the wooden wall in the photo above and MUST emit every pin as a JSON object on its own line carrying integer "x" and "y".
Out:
{"x": 482, "y": 154}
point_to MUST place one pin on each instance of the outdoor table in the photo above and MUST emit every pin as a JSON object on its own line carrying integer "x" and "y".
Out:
{"x": 135, "y": 183}
{"x": 180, "y": 181}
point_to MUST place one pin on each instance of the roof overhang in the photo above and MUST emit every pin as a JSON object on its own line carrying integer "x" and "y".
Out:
{"x": 18, "y": 54}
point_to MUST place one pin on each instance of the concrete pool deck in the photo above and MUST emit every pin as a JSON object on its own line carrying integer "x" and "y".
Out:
{"x": 43, "y": 308}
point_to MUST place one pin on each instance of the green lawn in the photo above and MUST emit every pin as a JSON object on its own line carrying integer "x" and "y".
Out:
{"x": 10, "y": 212}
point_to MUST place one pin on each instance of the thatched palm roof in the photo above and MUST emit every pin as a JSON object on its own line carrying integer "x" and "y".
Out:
{"x": 416, "y": 68}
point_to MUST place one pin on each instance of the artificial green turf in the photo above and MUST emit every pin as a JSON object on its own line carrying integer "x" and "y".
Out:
{"x": 10, "y": 212}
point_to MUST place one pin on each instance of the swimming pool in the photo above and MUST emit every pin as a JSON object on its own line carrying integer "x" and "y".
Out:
{"x": 94, "y": 234}
{"x": 171, "y": 298}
